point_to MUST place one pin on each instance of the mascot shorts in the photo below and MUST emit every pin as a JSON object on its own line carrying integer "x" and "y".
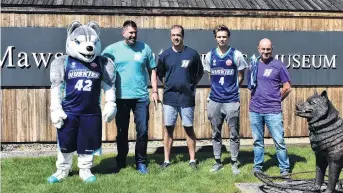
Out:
{"x": 81, "y": 133}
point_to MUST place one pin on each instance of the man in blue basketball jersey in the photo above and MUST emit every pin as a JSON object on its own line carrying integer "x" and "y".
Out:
{"x": 226, "y": 67}
{"x": 181, "y": 69}
{"x": 133, "y": 59}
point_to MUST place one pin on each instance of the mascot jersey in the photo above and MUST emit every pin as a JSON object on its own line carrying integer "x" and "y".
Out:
{"x": 224, "y": 77}
{"x": 82, "y": 87}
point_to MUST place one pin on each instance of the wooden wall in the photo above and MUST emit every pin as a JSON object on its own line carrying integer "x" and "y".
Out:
{"x": 25, "y": 115}
{"x": 300, "y": 21}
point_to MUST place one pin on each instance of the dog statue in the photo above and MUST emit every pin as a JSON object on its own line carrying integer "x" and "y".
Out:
{"x": 326, "y": 137}
{"x": 76, "y": 82}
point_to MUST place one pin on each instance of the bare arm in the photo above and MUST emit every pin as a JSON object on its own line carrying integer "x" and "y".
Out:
{"x": 241, "y": 66}
{"x": 154, "y": 80}
{"x": 200, "y": 70}
{"x": 285, "y": 90}
{"x": 207, "y": 66}
{"x": 154, "y": 95}
{"x": 240, "y": 77}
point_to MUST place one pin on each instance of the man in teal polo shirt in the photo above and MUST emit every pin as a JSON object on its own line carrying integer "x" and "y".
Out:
{"x": 132, "y": 58}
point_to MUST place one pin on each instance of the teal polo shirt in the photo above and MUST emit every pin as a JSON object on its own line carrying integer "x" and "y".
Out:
{"x": 132, "y": 63}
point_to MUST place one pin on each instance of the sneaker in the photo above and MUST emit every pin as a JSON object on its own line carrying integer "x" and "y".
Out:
{"x": 165, "y": 165}
{"x": 193, "y": 165}
{"x": 86, "y": 175}
{"x": 58, "y": 176}
{"x": 256, "y": 170}
{"x": 285, "y": 175}
{"x": 235, "y": 169}
{"x": 216, "y": 167}
{"x": 141, "y": 168}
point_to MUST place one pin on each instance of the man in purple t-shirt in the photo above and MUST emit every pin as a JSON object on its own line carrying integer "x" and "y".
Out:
{"x": 265, "y": 106}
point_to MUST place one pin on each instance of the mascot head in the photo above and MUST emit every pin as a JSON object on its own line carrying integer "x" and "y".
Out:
{"x": 83, "y": 41}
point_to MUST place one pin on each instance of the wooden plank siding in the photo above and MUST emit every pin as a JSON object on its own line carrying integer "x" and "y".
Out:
{"x": 25, "y": 115}
{"x": 317, "y": 23}
{"x": 325, "y": 5}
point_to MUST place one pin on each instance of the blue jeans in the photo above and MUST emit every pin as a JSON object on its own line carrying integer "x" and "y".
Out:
{"x": 140, "y": 108}
{"x": 274, "y": 124}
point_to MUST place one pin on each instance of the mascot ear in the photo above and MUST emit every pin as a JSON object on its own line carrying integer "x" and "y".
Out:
{"x": 94, "y": 25}
{"x": 324, "y": 94}
{"x": 72, "y": 26}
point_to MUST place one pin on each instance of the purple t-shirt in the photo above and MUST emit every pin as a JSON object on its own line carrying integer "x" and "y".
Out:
{"x": 266, "y": 98}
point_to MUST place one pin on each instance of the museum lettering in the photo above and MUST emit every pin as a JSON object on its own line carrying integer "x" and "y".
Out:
{"x": 11, "y": 59}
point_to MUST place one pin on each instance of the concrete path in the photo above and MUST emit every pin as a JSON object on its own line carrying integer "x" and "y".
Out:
{"x": 261, "y": 188}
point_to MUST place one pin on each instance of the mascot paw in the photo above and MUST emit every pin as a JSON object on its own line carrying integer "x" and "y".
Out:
{"x": 110, "y": 111}
{"x": 57, "y": 117}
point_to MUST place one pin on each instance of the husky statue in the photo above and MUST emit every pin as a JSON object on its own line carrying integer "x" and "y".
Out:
{"x": 76, "y": 82}
{"x": 326, "y": 137}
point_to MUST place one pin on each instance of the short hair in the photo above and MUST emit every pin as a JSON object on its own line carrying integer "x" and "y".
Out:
{"x": 130, "y": 23}
{"x": 221, "y": 28}
{"x": 180, "y": 27}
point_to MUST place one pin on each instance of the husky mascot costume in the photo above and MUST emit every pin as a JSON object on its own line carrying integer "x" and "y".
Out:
{"x": 76, "y": 82}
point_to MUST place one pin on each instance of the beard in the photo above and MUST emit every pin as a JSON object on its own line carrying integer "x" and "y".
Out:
{"x": 266, "y": 56}
{"x": 176, "y": 42}
{"x": 131, "y": 41}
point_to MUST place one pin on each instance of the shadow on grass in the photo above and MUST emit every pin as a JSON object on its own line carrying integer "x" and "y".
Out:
{"x": 245, "y": 157}
{"x": 292, "y": 160}
{"x": 180, "y": 154}
{"x": 107, "y": 165}
{"x": 206, "y": 152}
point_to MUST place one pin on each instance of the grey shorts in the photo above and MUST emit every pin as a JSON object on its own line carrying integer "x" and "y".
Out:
{"x": 170, "y": 115}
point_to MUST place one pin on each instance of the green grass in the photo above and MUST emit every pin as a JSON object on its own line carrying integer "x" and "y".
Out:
{"x": 30, "y": 174}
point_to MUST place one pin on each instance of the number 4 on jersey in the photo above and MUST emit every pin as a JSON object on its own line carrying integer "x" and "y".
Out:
{"x": 221, "y": 80}
{"x": 87, "y": 87}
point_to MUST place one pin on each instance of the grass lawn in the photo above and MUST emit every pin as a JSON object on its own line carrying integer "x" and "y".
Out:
{"x": 28, "y": 175}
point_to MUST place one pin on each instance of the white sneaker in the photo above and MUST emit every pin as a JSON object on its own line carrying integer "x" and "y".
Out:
{"x": 86, "y": 175}
{"x": 235, "y": 169}
{"x": 58, "y": 176}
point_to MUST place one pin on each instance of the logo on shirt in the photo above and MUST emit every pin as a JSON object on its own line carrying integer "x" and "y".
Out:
{"x": 214, "y": 62}
{"x": 267, "y": 72}
{"x": 137, "y": 57}
{"x": 83, "y": 74}
{"x": 94, "y": 65}
{"x": 222, "y": 72}
{"x": 228, "y": 62}
{"x": 73, "y": 64}
{"x": 185, "y": 63}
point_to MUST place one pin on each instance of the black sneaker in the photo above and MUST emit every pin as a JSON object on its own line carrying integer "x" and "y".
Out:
{"x": 165, "y": 165}
{"x": 193, "y": 165}
{"x": 216, "y": 167}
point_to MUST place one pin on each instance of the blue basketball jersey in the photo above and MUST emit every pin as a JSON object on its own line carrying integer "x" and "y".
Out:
{"x": 82, "y": 87}
{"x": 224, "y": 77}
